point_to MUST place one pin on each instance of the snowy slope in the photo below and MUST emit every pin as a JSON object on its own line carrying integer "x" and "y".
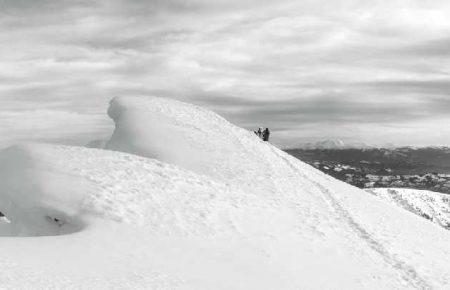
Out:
{"x": 77, "y": 186}
{"x": 431, "y": 205}
{"x": 220, "y": 209}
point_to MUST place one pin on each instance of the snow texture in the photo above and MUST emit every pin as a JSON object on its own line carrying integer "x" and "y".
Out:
{"x": 431, "y": 205}
{"x": 186, "y": 200}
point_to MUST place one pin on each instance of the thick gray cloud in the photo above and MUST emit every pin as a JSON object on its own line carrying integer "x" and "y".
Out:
{"x": 375, "y": 71}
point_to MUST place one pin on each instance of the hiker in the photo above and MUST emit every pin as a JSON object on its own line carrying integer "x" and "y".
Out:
{"x": 259, "y": 132}
{"x": 266, "y": 134}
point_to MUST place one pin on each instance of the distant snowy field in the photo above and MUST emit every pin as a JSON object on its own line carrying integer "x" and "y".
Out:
{"x": 431, "y": 205}
{"x": 179, "y": 198}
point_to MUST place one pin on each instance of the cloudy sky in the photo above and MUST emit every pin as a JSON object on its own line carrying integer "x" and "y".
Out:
{"x": 371, "y": 71}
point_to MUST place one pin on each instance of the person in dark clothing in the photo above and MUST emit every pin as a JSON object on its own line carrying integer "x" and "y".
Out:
{"x": 266, "y": 134}
{"x": 259, "y": 132}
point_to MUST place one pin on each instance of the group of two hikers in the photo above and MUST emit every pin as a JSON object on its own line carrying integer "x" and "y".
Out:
{"x": 263, "y": 134}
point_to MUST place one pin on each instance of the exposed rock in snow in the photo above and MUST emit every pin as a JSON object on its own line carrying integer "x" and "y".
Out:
{"x": 220, "y": 210}
{"x": 431, "y": 205}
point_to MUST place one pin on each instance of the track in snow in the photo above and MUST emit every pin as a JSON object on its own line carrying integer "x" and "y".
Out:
{"x": 406, "y": 272}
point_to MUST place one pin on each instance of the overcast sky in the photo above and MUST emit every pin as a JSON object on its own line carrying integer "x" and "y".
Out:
{"x": 371, "y": 71}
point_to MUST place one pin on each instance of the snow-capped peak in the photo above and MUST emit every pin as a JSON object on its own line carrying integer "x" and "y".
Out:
{"x": 333, "y": 144}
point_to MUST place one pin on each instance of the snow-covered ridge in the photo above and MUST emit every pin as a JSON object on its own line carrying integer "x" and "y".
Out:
{"x": 194, "y": 202}
{"x": 431, "y": 205}
{"x": 203, "y": 142}
{"x": 185, "y": 135}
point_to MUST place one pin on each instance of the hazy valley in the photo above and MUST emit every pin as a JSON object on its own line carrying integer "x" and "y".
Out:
{"x": 405, "y": 167}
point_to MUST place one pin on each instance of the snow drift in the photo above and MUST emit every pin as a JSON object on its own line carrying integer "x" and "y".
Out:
{"x": 67, "y": 188}
{"x": 195, "y": 202}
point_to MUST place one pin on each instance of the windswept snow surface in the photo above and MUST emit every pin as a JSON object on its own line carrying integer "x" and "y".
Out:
{"x": 200, "y": 204}
{"x": 431, "y": 205}
{"x": 69, "y": 187}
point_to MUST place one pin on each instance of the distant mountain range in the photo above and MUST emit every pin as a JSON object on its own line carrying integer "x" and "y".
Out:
{"x": 333, "y": 144}
{"x": 339, "y": 144}
{"x": 402, "y": 160}
{"x": 426, "y": 168}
